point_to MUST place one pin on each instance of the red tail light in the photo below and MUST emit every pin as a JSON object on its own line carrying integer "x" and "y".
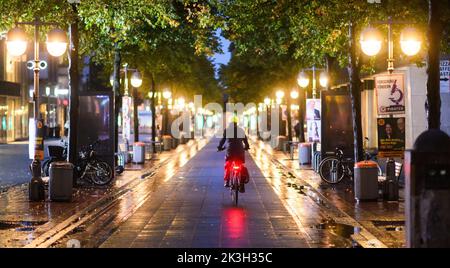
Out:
{"x": 236, "y": 166}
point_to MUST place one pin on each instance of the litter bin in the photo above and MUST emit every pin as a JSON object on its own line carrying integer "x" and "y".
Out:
{"x": 304, "y": 153}
{"x": 139, "y": 152}
{"x": 167, "y": 141}
{"x": 60, "y": 181}
{"x": 366, "y": 181}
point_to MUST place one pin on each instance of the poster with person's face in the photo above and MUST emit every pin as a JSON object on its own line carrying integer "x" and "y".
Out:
{"x": 391, "y": 137}
{"x": 313, "y": 133}
{"x": 313, "y": 109}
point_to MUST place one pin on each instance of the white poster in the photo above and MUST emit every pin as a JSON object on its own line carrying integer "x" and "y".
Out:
{"x": 313, "y": 109}
{"x": 126, "y": 121}
{"x": 445, "y": 76}
{"x": 313, "y": 132}
{"x": 390, "y": 94}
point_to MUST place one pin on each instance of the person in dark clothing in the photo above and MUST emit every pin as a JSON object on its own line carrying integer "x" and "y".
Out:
{"x": 236, "y": 147}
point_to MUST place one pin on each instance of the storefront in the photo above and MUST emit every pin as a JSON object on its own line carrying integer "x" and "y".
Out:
{"x": 13, "y": 114}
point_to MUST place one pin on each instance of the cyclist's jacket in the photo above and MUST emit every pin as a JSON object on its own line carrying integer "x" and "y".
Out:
{"x": 237, "y": 143}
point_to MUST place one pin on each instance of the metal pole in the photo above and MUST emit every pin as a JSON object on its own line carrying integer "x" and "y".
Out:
{"x": 314, "y": 88}
{"x": 390, "y": 47}
{"x": 36, "y": 187}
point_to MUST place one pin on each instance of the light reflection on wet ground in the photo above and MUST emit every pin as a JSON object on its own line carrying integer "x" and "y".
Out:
{"x": 29, "y": 220}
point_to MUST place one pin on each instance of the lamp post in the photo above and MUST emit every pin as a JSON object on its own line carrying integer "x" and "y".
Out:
{"x": 371, "y": 41}
{"x": 136, "y": 81}
{"x": 303, "y": 79}
{"x": 16, "y": 42}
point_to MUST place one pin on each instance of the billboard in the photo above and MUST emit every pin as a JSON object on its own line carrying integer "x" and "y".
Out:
{"x": 391, "y": 137}
{"x": 390, "y": 94}
{"x": 444, "y": 71}
{"x": 337, "y": 124}
{"x": 96, "y": 113}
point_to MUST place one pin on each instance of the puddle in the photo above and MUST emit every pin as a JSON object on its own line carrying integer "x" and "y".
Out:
{"x": 22, "y": 226}
{"x": 391, "y": 226}
{"x": 339, "y": 229}
{"x": 9, "y": 225}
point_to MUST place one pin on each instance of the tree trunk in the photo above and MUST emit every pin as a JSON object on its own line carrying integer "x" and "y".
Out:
{"x": 355, "y": 95}
{"x": 289, "y": 118}
{"x": 301, "y": 115}
{"x": 116, "y": 93}
{"x": 73, "y": 86}
{"x": 153, "y": 109}
{"x": 433, "y": 82}
{"x": 135, "y": 115}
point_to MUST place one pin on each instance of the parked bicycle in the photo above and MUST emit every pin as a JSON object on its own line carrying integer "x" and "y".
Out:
{"x": 91, "y": 169}
{"x": 335, "y": 168}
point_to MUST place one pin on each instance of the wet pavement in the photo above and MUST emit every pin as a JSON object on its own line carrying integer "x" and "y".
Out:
{"x": 178, "y": 200}
{"x": 41, "y": 224}
{"x": 193, "y": 209}
{"x": 384, "y": 220}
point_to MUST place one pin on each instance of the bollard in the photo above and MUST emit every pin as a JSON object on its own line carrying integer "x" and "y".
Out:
{"x": 36, "y": 190}
{"x": 390, "y": 191}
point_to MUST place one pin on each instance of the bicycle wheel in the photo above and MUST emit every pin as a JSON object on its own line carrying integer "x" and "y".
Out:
{"x": 102, "y": 174}
{"x": 331, "y": 170}
{"x": 46, "y": 167}
{"x": 234, "y": 190}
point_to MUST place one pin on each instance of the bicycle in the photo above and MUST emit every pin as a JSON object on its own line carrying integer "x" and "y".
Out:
{"x": 236, "y": 184}
{"x": 333, "y": 169}
{"x": 89, "y": 168}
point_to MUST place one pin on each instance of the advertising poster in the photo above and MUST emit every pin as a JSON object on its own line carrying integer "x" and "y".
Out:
{"x": 444, "y": 70}
{"x": 337, "y": 124}
{"x": 313, "y": 130}
{"x": 313, "y": 109}
{"x": 126, "y": 122}
{"x": 390, "y": 94}
{"x": 391, "y": 137}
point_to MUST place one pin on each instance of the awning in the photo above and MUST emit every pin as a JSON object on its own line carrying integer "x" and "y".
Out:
{"x": 9, "y": 89}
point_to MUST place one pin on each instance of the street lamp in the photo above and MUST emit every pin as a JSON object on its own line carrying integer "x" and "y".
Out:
{"x": 56, "y": 42}
{"x": 371, "y": 39}
{"x": 136, "y": 81}
{"x": 294, "y": 94}
{"x": 16, "y": 43}
{"x": 303, "y": 80}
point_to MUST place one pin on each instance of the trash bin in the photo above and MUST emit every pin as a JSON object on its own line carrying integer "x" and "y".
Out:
{"x": 139, "y": 152}
{"x": 60, "y": 181}
{"x": 304, "y": 153}
{"x": 167, "y": 141}
{"x": 175, "y": 143}
{"x": 281, "y": 143}
{"x": 366, "y": 181}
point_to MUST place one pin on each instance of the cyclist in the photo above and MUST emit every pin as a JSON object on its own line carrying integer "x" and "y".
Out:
{"x": 237, "y": 145}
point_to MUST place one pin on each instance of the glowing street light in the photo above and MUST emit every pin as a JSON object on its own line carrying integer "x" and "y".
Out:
{"x": 279, "y": 94}
{"x": 303, "y": 79}
{"x": 56, "y": 42}
{"x": 410, "y": 41}
{"x": 167, "y": 94}
{"x": 370, "y": 41}
{"x": 136, "y": 79}
{"x": 323, "y": 79}
{"x": 16, "y": 42}
{"x": 294, "y": 94}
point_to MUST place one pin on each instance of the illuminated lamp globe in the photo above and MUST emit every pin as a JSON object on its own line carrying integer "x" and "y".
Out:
{"x": 56, "y": 42}
{"x": 370, "y": 41}
{"x": 410, "y": 41}
{"x": 16, "y": 42}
